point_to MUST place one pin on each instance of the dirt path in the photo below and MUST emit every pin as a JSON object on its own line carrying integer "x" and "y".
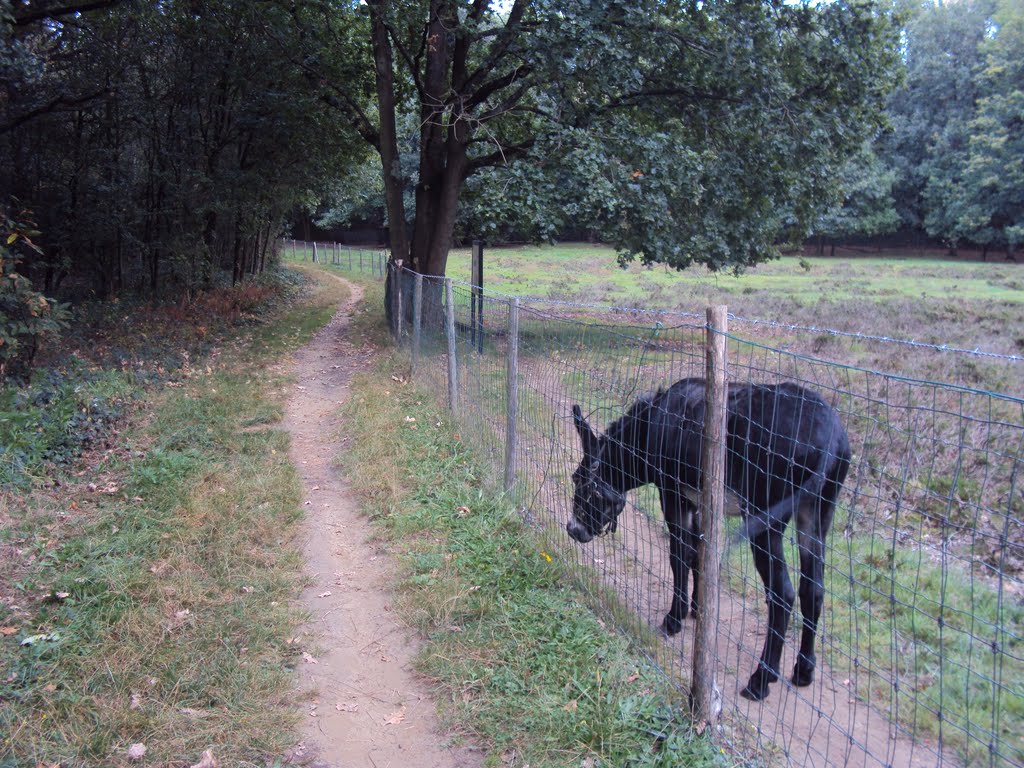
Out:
{"x": 365, "y": 705}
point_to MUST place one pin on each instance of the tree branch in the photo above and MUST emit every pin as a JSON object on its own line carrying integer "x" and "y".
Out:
{"x": 500, "y": 156}
{"x": 61, "y": 102}
{"x": 487, "y": 89}
{"x": 501, "y": 45}
{"x": 33, "y": 15}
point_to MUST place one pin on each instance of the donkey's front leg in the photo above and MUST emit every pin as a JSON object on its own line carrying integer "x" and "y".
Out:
{"x": 682, "y": 556}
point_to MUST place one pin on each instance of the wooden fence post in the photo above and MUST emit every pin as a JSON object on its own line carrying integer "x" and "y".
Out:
{"x": 417, "y": 321}
{"x": 453, "y": 377}
{"x": 705, "y": 694}
{"x": 512, "y": 387}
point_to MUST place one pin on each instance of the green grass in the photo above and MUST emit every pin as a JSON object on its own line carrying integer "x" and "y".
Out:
{"x": 151, "y": 591}
{"x": 520, "y": 663}
{"x": 591, "y": 273}
{"x": 881, "y": 632}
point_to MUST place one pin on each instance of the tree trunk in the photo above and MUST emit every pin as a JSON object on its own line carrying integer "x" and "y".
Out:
{"x": 389, "y": 155}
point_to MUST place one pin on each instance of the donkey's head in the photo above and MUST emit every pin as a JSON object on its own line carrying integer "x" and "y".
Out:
{"x": 596, "y": 505}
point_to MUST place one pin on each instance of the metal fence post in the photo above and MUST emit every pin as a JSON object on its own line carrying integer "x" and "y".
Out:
{"x": 705, "y": 693}
{"x": 453, "y": 378}
{"x": 417, "y": 321}
{"x": 395, "y": 270}
{"x": 513, "y": 393}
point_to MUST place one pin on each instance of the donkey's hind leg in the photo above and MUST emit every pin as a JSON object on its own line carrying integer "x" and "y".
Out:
{"x": 771, "y": 565}
{"x": 814, "y": 519}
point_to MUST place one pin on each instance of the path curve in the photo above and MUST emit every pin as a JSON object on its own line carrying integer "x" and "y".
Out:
{"x": 364, "y": 706}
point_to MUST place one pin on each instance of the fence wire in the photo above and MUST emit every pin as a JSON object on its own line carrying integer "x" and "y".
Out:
{"x": 920, "y": 646}
{"x": 371, "y": 260}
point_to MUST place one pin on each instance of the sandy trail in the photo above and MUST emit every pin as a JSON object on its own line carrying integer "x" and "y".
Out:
{"x": 364, "y": 704}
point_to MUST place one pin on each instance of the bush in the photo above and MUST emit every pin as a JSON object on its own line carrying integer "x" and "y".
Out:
{"x": 26, "y": 316}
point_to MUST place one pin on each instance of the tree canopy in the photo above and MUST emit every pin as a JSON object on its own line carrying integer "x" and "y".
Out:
{"x": 683, "y": 132}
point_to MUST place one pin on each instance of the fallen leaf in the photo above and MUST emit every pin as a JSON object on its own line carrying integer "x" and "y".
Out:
{"x": 207, "y": 760}
{"x": 7, "y": 631}
{"x": 572, "y": 706}
{"x": 347, "y": 706}
{"x": 396, "y": 717}
{"x": 325, "y": 594}
{"x": 136, "y": 751}
{"x": 306, "y": 657}
{"x": 701, "y": 727}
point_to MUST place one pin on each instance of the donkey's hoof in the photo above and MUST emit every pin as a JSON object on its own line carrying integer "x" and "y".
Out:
{"x": 671, "y": 625}
{"x": 757, "y": 688}
{"x": 755, "y": 693}
{"x": 803, "y": 671}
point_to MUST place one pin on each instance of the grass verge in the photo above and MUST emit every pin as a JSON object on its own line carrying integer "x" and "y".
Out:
{"x": 146, "y": 598}
{"x": 521, "y": 665}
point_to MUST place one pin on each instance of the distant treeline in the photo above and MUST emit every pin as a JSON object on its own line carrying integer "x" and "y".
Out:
{"x": 950, "y": 168}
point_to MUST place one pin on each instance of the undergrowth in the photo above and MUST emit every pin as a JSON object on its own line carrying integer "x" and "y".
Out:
{"x": 88, "y": 381}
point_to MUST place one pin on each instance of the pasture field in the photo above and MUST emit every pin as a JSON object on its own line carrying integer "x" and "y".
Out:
{"x": 939, "y": 301}
{"x": 591, "y": 273}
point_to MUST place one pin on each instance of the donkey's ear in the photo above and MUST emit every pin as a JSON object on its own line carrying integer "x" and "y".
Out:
{"x": 586, "y": 433}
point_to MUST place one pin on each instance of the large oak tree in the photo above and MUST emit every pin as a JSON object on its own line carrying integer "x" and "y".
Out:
{"x": 681, "y": 132}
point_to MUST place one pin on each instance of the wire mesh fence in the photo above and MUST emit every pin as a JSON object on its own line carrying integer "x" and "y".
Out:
{"x": 369, "y": 260}
{"x": 920, "y": 643}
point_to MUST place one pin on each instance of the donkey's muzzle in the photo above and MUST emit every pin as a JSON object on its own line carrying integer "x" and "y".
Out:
{"x": 578, "y": 532}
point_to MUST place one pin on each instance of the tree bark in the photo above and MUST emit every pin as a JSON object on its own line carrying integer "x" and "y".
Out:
{"x": 383, "y": 60}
